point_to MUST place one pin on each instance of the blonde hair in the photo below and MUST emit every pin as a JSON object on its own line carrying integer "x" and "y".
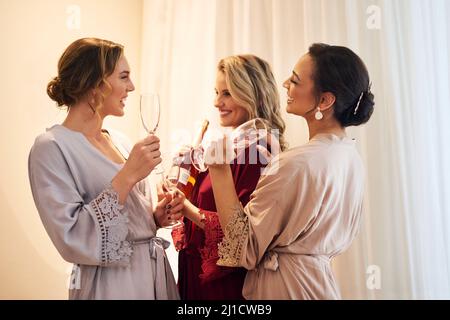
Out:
{"x": 84, "y": 65}
{"x": 251, "y": 83}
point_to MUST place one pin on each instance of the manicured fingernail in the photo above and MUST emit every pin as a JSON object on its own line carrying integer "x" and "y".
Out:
{"x": 168, "y": 206}
{"x": 168, "y": 211}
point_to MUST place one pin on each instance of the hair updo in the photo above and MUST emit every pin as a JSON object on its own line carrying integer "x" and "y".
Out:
{"x": 340, "y": 71}
{"x": 55, "y": 91}
{"x": 84, "y": 65}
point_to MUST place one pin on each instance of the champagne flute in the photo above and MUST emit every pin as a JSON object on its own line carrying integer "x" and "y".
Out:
{"x": 169, "y": 185}
{"x": 150, "y": 113}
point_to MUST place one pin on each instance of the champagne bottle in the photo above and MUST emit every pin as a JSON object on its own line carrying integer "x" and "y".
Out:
{"x": 188, "y": 173}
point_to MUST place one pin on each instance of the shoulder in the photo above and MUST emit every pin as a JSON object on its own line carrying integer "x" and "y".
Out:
{"x": 290, "y": 160}
{"x": 302, "y": 160}
{"x": 47, "y": 145}
{"x": 317, "y": 157}
{"x": 47, "y": 141}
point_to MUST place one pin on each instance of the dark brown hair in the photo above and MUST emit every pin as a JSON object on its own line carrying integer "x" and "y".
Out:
{"x": 340, "y": 71}
{"x": 84, "y": 65}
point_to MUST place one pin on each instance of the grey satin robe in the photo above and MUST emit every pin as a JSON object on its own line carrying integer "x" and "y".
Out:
{"x": 114, "y": 249}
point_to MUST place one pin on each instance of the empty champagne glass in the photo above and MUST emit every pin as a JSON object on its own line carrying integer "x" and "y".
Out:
{"x": 150, "y": 113}
{"x": 170, "y": 184}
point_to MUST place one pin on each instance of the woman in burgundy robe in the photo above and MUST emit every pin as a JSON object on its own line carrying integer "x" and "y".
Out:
{"x": 245, "y": 90}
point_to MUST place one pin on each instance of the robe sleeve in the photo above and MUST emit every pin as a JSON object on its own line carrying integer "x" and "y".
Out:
{"x": 282, "y": 207}
{"x": 245, "y": 177}
{"x": 92, "y": 233}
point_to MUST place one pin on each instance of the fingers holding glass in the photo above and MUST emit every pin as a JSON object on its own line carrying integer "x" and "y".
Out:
{"x": 174, "y": 208}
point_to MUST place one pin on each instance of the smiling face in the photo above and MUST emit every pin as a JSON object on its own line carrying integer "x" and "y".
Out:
{"x": 231, "y": 113}
{"x": 121, "y": 84}
{"x": 300, "y": 88}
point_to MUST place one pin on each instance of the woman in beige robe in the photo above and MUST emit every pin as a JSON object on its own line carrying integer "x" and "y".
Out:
{"x": 307, "y": 206}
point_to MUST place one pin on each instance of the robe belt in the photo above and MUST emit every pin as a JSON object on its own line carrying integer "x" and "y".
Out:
{"x": 270, "y": 260}
{"x": 157, "y": 246}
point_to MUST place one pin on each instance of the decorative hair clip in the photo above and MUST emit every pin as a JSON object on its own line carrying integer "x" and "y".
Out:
{"x": 359, "y": 101}
{"x": 361, "y": 96}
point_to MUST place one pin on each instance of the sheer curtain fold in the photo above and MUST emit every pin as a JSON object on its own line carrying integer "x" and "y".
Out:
{"x": 403, "y": 249}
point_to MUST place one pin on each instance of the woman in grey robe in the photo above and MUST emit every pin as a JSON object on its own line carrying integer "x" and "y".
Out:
{"x": 89, "y": 186}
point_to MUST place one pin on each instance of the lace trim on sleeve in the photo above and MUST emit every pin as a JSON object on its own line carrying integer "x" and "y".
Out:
{"x": 179, "y": 238}
{"x": 213, "y": 235}
{"x": 113, "y": 224}
{"x": 236, "y": 231}
{"x": 209, "y": 252}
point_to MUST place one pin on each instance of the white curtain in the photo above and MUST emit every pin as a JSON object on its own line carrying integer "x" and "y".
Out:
{"x": 403, "y": 249}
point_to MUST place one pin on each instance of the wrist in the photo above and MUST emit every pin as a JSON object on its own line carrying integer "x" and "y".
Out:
{"x": 219, "y": 172}
{"x": 123, "y": 184}
{"x": 126, "y": 180}
{"x": 155, "y": 218}
{"x": 193, "y": 213}
{"x": 217, "y": 167}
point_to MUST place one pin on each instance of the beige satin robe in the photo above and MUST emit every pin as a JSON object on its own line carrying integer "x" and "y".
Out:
{"x": 305, "y": 210}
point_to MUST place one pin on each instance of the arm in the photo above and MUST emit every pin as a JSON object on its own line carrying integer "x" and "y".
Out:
{"x": 268, "y": 220}
{"x": 224, "y": 192}
{"x": 144, "y": 156}
{"x": 229, "y": 194}
{"x": 90, "y": 233}
{"x": 240, "y": 179}
{"x": 245, "y": 178}
{"x": 122, "y": 184}
{"x": 179, "y": 206}
{"x": 193, "y": 213}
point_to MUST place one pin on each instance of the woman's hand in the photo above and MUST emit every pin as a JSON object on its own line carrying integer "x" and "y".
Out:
{"x": 143, "y": 158}
{"x": 169, "y": 207}
{"x": 175, "y": 208}
{"x": 179, "y": 207}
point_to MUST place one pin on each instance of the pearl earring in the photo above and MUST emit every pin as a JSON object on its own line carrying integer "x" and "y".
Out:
{"x": 319, "y": 114}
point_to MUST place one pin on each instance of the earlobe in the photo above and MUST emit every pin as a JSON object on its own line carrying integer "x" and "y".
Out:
{"x": 92, "y": 96}
{"x": 327, "y": 101}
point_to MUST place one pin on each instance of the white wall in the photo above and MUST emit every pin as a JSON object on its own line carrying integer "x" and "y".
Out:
{"x": 33, "y": 35}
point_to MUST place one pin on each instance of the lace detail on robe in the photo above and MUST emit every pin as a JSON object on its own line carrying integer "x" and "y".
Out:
{"x": 115, "y": 250}
{"x": 178, "y": 237}
{"x": 236, "y": 231}
{"x": 209, "y": 253}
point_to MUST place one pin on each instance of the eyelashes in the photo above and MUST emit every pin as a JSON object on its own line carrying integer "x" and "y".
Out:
{"x": 225, "y": 93}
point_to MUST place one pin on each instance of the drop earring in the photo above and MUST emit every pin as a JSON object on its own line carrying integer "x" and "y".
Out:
{"x": 92, "y": 102}
{"x": 319, "y": 114}
{"x": 92, "y": 108}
